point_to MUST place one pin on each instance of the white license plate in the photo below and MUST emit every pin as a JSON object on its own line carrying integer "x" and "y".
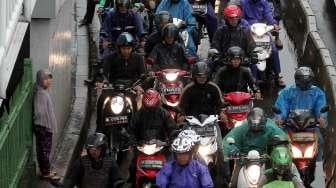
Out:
{"x": 199, "y": 7}
{"x": 151, "y": 164}
{"x": 238, "y": 109}
{"x": 171, "y": 91}
{"x": 116, "y": 120}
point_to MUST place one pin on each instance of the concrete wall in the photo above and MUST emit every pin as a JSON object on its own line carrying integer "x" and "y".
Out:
{"x": 311, "y": 51}
{"x": 52, "y": 47}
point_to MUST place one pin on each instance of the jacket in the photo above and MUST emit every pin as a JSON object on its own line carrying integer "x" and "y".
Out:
{"x": 195, "y": 175}
{"x": 201, "y": 99}
{"x": 257, "y": 12}
{"x": 147, "y": 124}
{"x": 293, "y": 98}
{"x": 246, "y": 140}
{"x": 231, "y": 79}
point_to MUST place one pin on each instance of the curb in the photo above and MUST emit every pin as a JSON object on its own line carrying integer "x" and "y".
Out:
{"x": 68, "y": 146}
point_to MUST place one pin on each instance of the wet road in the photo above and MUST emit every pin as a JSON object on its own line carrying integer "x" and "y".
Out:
{"x": 326, "y": 23}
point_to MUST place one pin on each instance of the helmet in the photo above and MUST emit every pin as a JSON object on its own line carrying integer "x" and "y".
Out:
{"x": 182, "y": 145}
{"x": 304, "y": 78}
{"x": 163, "y": 17}
{"x": 190, "y": 134}
{"x": 169, "y": 30}
{"x": 96, "y": 140}
{"x": 256, "y": 119}
{"x": 122, "y": 3}
{"x": 151, "y": 99}
{"x": 200, "y": 68}
{"x": 235, "y": 52}
{"x": 281, "y": 160}
{"x": 125, "y": 39}
{"x": 232, "y": 11}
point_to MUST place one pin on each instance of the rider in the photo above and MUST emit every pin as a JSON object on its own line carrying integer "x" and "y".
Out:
{"x": 161, "y": 19}
{"x": 254, "y": 134}
{"x": 182, "y": 9}
{"x": 255, "y": 11}
{"x": 283, "y": 167}
{"x": 303, "y": 96}
{"x": 232, "y": 33}
{"x": 97, "y": 168}
{"x": 169, "y": 53}
{"x": 235, "y": 77}
{"x": 152, "y": 121}
{"x": 120, "y": 20}
{"x": 183, "y": 171}
{"x": 122, "y": 64}
{"x": 201, "y": 96}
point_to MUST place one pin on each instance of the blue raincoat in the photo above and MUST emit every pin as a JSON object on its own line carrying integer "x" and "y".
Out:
{"x": 257, "y": 12}
{"x": 182, "y": 10}
{"x": 195, "y": 175}
{"x": 293, "y": 98}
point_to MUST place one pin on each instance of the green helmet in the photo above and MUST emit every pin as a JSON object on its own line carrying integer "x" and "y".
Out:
{"x": 281, "y": 159}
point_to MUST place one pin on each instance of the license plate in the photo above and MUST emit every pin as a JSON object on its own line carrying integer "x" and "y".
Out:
{"x": 263, "y": 44}
{"x": 199, "y": 7}
{"x": 207, "y": 131}
{"x": 151, "y": 164}
{"x": 238, "y": 109}
{"x": 116, "y": 120}
{"x": 171, "y": 91}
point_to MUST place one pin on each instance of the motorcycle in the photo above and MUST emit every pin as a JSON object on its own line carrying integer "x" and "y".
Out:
{"x": 264, "y": 41}
{"x": 170, "y": 85}
{"x": 209, "y": 149}
{"x": 117, "y": 110}
{"x": 251, "y": 171}
{"x": 301, "y": 127}
{"x": 239, "y": 105}
{"x": 200, "y": 9}
{"x": 149, "y": 162}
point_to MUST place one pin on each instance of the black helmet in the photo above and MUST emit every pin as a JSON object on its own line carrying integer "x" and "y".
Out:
{"x": 304, "y": 78}
{"x": 125, "y": 39}
{"x": 122, "y": 2}
{"x": 163, "y": 17}
{"x": 235, "y": 52}
{"x": 96, "y": 140}
{"x": 256, "y": 119}
{"x": 200, "y": 68}
{"x": 169, "y": 30}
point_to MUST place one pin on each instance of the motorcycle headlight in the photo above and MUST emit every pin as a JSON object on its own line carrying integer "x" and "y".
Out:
{"x": 309, "y": 152}
{"x": 296, "y": 152}
{"x": 259, "y": 31}
{"x": 185, "y": 37}
{"x": 149, "y": 149}
{"x": 253, "y": 174}
{"x": 172, "y": 76}
{"x": 117, "y": 104}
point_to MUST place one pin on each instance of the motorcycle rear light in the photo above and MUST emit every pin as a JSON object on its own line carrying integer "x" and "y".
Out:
{"x": 172, "y": 76}
{"x": 305, "y": 152}
{"x": 296, "y": 152}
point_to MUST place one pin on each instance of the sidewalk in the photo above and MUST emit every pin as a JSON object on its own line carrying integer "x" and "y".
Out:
{"x": 74, "y": 132}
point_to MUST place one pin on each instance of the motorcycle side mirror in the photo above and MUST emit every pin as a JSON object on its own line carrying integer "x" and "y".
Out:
{"x": 276, "y": 110}
{"x": 325, "y": 109}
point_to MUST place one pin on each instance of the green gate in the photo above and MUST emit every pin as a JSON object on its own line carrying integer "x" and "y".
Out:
{"x": 16, "y": 131}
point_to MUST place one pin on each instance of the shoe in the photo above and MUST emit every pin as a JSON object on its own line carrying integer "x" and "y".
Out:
{"x": 278, "y": 43}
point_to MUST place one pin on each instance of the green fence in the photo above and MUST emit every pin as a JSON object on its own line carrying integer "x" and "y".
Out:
{"x": 16, "y": 132}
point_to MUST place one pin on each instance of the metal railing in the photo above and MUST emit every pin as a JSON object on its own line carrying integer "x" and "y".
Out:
{"x": 16, "y": 131}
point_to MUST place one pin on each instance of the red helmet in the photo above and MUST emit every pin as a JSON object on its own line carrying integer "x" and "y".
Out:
{"x": 151, "y": 99}
{"x": 232, "y": 11}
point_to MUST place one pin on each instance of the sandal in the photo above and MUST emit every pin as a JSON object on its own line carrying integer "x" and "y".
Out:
{"x": 51, "y": 176}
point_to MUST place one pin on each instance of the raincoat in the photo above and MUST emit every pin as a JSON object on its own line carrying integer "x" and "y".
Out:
{"x": 195, "y": 175}
{"x": 246, "y": 140}
{"x": 293, "y": 98}
{"x": 182, "y": 10}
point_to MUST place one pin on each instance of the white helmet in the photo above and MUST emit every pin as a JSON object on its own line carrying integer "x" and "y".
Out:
{"x": 188, "y": 133}
{"x": 182, "y": 145}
